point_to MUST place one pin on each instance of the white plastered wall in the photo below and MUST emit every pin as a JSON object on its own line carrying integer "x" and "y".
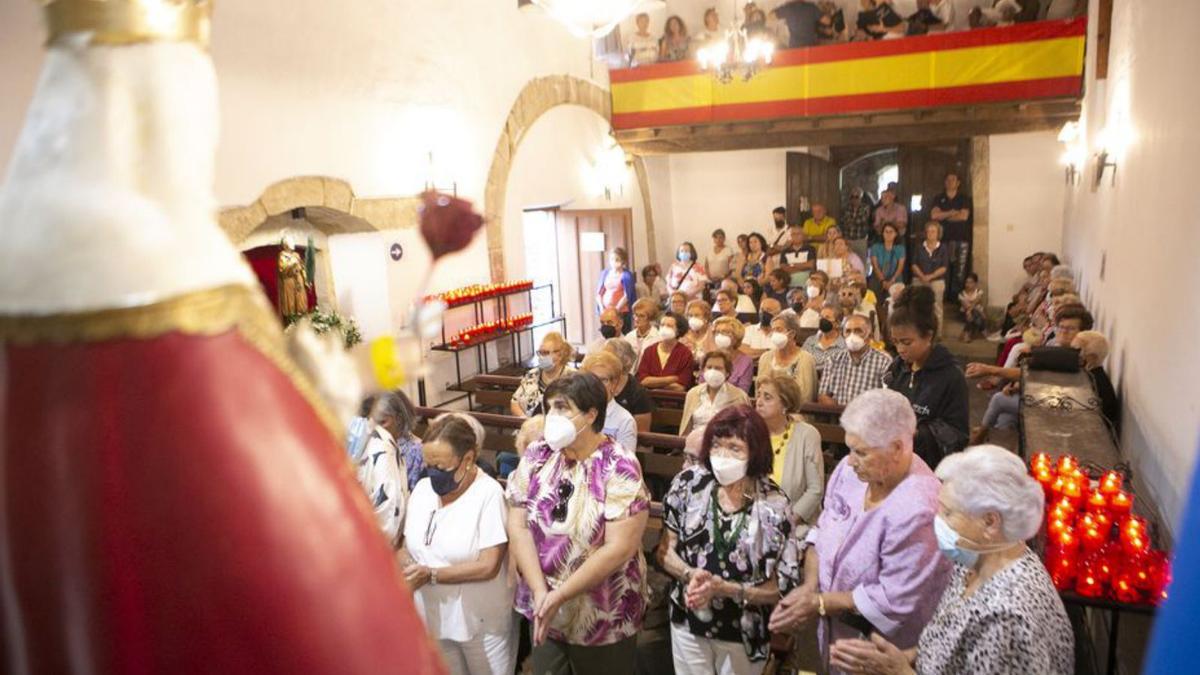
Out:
{"x": 1133, "y": 244}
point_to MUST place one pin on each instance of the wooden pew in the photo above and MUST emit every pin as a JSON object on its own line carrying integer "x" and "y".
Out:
{"x": 502, "y": 428}
{"x": 496, "y": 390}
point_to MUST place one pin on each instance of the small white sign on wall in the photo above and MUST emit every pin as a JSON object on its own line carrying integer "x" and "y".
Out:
{"x": 591, "y": 242}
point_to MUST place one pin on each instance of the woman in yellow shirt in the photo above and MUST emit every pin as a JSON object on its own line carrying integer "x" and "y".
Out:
{"x": 798, "y": 465}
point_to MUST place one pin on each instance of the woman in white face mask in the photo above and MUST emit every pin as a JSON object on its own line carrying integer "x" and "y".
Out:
{"x": 668, "y": 363}
{"x": 787, "y": 357}
{"x": 728, "y": 335}
{"x": 699, "y": 337}
{"x": 725, "y": 531}
{"x": 578, "y": 509}
{"x": 713, "y": 394}
{"x": 553, "y": 359}
{"x": 1000, "y": 613}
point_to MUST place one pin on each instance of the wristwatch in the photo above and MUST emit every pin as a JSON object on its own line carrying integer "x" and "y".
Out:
{"x": 433, "y": 579}
{"x": 821, "y": 605}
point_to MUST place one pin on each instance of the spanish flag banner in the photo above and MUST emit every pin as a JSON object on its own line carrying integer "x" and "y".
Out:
{"x": 991, "y": 65}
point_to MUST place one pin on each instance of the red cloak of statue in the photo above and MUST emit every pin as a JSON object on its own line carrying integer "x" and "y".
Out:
{"x": 174, "y": 501}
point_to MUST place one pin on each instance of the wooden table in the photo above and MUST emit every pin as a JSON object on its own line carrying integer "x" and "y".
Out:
{"x": 1060, "y": 415}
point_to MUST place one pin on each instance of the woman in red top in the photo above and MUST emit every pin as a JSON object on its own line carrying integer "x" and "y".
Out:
{"x": 668, "y": 364}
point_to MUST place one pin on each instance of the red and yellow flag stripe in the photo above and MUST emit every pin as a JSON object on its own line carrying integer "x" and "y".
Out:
{"x": 1027, "y": 61}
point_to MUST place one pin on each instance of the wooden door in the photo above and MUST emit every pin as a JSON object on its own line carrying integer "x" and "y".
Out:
{"x": 579, "y": 270}
{"x": 810, "y": 179}
{"x": 923, "y": 171}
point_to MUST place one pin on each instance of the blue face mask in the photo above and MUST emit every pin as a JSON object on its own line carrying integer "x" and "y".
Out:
{"x": 357, "y": 435}
{"x": 442, "y": 481}
{"x": 947, "y": 540}
{"x": 683, "y": 256}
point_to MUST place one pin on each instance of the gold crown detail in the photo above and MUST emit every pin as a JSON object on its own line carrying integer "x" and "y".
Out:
{"x": 124, "y": 22}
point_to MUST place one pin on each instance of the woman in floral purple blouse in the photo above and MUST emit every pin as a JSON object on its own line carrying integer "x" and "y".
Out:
{"x": 726, "y": 526}
{"x": 578, "y": 511}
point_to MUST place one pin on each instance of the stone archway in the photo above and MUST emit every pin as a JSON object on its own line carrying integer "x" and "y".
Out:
{"x": 537, "y": 97}
{"x": 332, "y": 208}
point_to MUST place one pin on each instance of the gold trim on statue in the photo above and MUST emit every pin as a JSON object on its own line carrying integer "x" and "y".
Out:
{"x": 126, "y": 22}
{"x": 203, "y": 313}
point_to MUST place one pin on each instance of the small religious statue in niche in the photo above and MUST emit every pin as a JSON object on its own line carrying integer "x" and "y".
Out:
{"x": 293, "y": 281}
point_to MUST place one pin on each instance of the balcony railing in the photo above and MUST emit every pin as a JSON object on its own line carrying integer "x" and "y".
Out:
{"x": 1042, "y": 60}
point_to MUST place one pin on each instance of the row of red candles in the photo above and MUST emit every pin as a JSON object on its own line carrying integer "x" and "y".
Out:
{"x": 468, "y": 294}
{"x": 489, "y": 329}
{"x": 1094, "y": 545}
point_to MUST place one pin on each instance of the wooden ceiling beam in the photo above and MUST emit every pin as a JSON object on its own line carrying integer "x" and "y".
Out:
{"x": 865, "y": 129}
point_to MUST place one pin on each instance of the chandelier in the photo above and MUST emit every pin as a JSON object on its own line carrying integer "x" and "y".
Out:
{"x": 737, "y": 54}
{"x": 593, "y": 18}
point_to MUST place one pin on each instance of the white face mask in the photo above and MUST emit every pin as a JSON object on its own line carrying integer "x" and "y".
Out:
{"x": 696, "y": 323}
{"x": 855, "y": 343}
{"x": 714, "y": 378}
{"x": 779, "y": 340}
{"x": 727, "y": 470}
{"x": 559, "y": 431}
{"x": 723, "y": 341}
{"x": 666, "y": 333}
{"x": 545, "y": 362}
{"x": 813, "y": 291}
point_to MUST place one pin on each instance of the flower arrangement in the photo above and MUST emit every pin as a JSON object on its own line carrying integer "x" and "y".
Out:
{"x": 324, "y": 321}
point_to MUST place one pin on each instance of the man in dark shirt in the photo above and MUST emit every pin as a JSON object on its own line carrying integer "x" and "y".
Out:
{"x": 954, "y": 211}
{"x": 856, "y": 222}
{"x": 801, "y": 17}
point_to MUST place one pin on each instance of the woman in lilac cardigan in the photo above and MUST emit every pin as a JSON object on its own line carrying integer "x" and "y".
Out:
{"x": 872, "y": 562}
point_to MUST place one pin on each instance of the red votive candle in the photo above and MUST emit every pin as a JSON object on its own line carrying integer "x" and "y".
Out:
{"x": 1088, "y": 585}
{"x": 1040, "y": 461}
{"x": 1056, "y": 526}
{"x": 1066, "y": 464}
{"x": 1096, "y": 502}
{"x": 1111, "y": 483}
{"x": 1120, "y": 503}
{"x": 1123, "y": 589}
{"x": 1063, "y": 566}
{"x": 1067, "y": 541}
{"x": 1091, "y": 534}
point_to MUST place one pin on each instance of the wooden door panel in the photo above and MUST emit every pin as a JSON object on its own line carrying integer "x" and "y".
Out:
{"x": 813, "y": 179}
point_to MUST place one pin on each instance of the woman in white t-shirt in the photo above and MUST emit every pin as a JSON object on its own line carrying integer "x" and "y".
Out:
{"x": 454, "y": 554}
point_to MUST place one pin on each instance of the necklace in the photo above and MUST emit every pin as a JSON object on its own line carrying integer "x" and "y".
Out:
{"x": 783, "y": 440}
{"x": 722, "y": 544}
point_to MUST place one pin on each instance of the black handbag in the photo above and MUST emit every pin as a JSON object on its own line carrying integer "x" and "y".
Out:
{"x": 1059, "y": 359}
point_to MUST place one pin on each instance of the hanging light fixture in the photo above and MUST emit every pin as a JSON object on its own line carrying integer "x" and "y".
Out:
{"x": 737, "y": 54}
{"x": 594, "y": 18}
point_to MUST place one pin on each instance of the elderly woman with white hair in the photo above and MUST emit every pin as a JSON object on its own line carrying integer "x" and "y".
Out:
{"x": 1093, "y": 350}
{"x": 872, "y": 564}
{"x": 1000, "y": 612}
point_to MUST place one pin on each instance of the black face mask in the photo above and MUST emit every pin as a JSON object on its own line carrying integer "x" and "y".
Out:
{"x": 798, "y": 307}
{"x": 825, "y": 326}
{"x": 608, "y": 331}
{"x": 443, "y": 481}
{"x": 765, "y": 319}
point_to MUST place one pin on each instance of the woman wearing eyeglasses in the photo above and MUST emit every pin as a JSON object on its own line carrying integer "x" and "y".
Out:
{"x": 577, "y": 511}
{"x": 725, "y": 529}
{"x": 455, "y": 550}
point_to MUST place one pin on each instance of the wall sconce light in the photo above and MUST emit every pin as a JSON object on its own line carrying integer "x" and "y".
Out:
{"x": 1075, "y": 154}
{"x": 611, "y": 170}
{"x": 1104, "y": 161}
{"x": 1113, "y": 141}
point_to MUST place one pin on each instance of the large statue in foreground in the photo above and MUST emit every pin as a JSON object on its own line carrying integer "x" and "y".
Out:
{"x": 173, "y": 494}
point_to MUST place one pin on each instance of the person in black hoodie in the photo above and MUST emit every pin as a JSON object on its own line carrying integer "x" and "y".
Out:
{"x": 927, "y": 374}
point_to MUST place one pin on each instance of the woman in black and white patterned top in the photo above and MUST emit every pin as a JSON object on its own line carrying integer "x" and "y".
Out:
{"x": 1000, "y": 613}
